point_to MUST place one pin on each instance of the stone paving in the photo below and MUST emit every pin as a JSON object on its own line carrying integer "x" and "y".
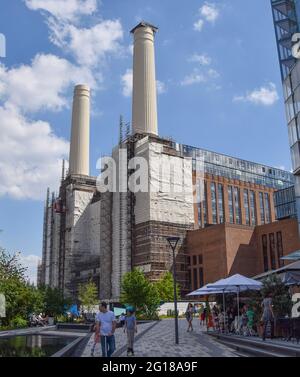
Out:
{"x": 159, "y": 341}
{"x": 121, "y": 341}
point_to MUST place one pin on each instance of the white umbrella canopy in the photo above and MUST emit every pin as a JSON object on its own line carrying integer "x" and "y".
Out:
{"x": 238, "y": 282}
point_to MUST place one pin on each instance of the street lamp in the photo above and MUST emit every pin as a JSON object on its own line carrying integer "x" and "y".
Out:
{"x": 173, "y": 241}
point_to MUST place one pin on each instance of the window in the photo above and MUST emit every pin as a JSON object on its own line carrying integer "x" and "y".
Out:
{"x": 267, "y": 207}
{"x": 279, "y": 249}
{"x": 204, "y": 205}
{"x": 201, "y": 277}
{"x": 262, "y": 207}
{"x": 230, "y": 203}
{"x": 200, "y": 259}
{"x": 195, "y": 278}
{"x": 272, "y": 251}
{"x": 246, "y": 205}
{"x": 253, "y": 208}
{"x": 265, "y": 253}
{"x": 199, "y": 215}
{"x": 238, "y": 215}
{"x": 213, "y": 202}
{"x": 194, "y": 260}
{"x": 221, "y": 203}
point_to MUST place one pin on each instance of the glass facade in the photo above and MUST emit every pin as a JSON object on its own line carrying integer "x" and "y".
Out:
{"x": 230, "y": 203}
{"x": 214, "y": 202}
{"x": 253, "y": 208}
{"x": 234, "y": 168}
{"x": 237, "y": 202}
{"x": 286, "y": 15}
{"x": 267, "y": 208}
{"x": 262, "y": 208}
{"x": 221, "y": 204}
{"x": 285, "y": 203}
{"x": 246, "y": 206}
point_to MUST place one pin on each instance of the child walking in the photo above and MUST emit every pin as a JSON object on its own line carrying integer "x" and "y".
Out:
{"x": 131, "y": 328}
{"x": 96, "y": 341}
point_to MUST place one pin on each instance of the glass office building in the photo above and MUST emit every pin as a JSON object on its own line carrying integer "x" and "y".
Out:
{"x": 286, "y": 15}
{"x": 285, "y": 203}
{"x": 232, "y": 190}
{"x": 234, "y": 168}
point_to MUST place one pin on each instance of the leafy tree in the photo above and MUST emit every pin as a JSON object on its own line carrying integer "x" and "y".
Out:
{"x": 88, "y": 295}
{"x": 18, "y": 294}
{"x": 10, "y": 267}
{"x": 55, "y": 303}
{"x": 165, "y": 287}
{"x": 281, "y": 299}
{"x": 136, "y": 290}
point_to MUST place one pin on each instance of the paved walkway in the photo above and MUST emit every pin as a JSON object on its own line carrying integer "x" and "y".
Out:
{"x": 159, "y": 341}
{"x": 121, "y": 341}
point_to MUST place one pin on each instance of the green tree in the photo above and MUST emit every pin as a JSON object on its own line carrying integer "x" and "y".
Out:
{"x": 165, "y": 287}
{"x": 136, "y": 290}
{"x": 281, "y": 298}
{"x": 88, "y": 295}
{"x": 55, "y": 303}
{"x": 21, "y": 298}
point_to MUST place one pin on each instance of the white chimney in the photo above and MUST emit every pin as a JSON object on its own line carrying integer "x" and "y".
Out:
{"x": 144, "y": 108}
{"x": 80, "y": 133}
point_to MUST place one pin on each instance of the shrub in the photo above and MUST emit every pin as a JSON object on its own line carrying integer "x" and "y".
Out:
{"x": 18, "y": 323}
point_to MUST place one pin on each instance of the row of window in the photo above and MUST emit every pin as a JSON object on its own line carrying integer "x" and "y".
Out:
{"x": 234, "y": 205}
{"x": 229, "y": 165}
{"x": 272, "y": 248}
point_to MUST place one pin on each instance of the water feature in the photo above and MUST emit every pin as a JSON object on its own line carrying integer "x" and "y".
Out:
{"x": 35, "y": 345}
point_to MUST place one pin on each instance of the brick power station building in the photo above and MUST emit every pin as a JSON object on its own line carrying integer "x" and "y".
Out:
{"x": 221, "y": 207}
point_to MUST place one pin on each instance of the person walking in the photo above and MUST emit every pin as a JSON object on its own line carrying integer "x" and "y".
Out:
{"x": 106, "y": 326}
{"x": 268, "y": 315}
{"x": 131, "y": 329}
{"x": 189, "y": 316}
{"x": 202, "y": 315}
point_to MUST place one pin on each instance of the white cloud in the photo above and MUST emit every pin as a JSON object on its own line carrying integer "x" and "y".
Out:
{"x": 30, "y": 155}
{"x": 197, "y": 77}
{"x": 67, "y": 10}
{"x": 209, "y": 13}
{"x": 43, "y": 84}
{"x": 198, "y": 26}
{"x": 193, "y": 78}
{"x": 30, "y": 262}
{"x": 161, "y": 87}
{"x": 266, "y": 96}
{"x": 88, "y": 45}
{"x": 202, "y": 59}
{"x": 127, "y": 84}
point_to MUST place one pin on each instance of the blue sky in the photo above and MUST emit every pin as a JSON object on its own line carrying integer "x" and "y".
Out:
{"x": 219, "y": 88}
